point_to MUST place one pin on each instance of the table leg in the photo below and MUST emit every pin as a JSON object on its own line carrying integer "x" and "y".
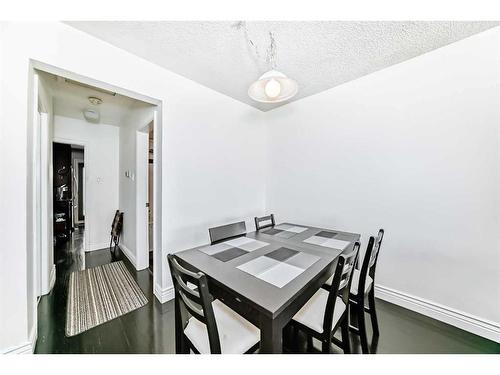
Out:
{"x": 271, "y": 335}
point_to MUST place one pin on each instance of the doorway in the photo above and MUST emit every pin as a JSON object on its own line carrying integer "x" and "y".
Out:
{"x": 78, "y": 218}
{"x": 68, "y": 165}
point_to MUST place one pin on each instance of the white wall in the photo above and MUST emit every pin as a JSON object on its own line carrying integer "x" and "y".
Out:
{"x": 207, "y": 140}
{"x": 416, "y": 144}
{"x": 413, "y": 149}
{"x": 101, "y": 174}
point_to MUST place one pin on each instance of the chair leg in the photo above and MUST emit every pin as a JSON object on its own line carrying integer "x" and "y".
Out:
{"x": 325, "y": 346}
{"x": 310, "y": 346}
{"x": 186, "y": 348}
{"x": 345, "y": 336}
{"x": 373, "y": 313}
{"x": 295, "y": 338}
{"x": 362, "y": 327}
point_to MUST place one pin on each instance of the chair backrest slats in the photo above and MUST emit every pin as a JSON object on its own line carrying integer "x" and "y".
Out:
{"x": 116, "y": 225}
{"x": 341, "y": 284}
{"x": 194, "y": 294}
{"x": 190, "y": 306}
{"x": 370, "y": 261}
{"x": 198, "y": 303}
{"x": 225, "y": 232}
{"x": 346, "y": 274}
{"x": 115, "y": 219}
{"x": 376, "y": 247}
{"x": 267, "y": 220}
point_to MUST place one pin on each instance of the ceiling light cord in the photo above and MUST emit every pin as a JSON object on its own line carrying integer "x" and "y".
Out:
{"x": 271, "y": 52}
{"x": 242, "y": 25}
{"x": 272, "y": 86}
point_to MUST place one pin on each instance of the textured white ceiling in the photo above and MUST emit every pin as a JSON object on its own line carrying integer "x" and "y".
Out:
{"x": 70, "y": 100}
{"x": 318, "y": 55}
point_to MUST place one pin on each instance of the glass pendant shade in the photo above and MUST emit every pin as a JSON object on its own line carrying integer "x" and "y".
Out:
{"x": 273, "y": 87}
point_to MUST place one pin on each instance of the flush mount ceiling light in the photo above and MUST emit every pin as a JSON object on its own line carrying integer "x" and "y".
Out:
{"x": 95, "y": 100}
{"x": 273, "y": 86}
{"x": 90, "y": 114}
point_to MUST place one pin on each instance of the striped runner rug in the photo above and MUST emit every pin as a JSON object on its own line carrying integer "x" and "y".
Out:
{"x": 100, "y": 294}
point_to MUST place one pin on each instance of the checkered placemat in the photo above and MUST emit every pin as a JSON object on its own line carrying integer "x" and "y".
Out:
{"x": 231, "y": 249}
{"x": 280, "y": 266}
{"x": 285, "y": 230}
{"x": 326, "y": 239}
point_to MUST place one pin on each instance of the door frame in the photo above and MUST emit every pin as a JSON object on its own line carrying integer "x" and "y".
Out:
{"x": 141, "y": 197}
{"x": 76, "y": 163}
{"x": 37, "y": 192}
{"x": 160, "y": 274}
{"x": 69, "y": 141}
{"x": 43, "y": 273}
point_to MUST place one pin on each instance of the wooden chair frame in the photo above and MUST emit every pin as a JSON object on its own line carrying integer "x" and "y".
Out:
{"x": 341, "y": 285}
{"x": 357, "y": 302}
{"x": 226, "y": 232}
{"x": 259, "y": 220}
{"x": 198, "y": 303}
{"x": 116, "y": 230}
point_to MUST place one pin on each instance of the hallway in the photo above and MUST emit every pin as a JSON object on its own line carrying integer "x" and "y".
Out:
{"x": 149, "y": 329}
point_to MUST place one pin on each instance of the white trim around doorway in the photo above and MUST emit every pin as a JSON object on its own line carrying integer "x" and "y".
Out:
{"x": 160, "y": 270}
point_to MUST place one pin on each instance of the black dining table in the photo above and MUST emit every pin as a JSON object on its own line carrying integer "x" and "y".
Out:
{"x": 268, "y": 275}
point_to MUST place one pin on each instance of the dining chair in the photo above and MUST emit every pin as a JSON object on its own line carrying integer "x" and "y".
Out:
{"x": 327, "y": 310}
{"x": 116, "y": 229}
{"x": 366, "y": 287}
{"x": 212, "y": 328}
{"x": 225, "y": 232}
{"x": 267, "y": 220}
{"x": 363, "y": 282}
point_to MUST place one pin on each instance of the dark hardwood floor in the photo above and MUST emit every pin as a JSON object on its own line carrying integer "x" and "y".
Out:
{"x": 150, "y": 329}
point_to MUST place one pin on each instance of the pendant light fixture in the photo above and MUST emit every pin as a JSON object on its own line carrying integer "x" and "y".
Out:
{"x": 273, "y": 86}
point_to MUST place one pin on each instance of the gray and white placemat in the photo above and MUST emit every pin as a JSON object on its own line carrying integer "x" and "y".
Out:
{"x": 285, "y": 230}
{"x": 326, "y": 239}
{"x": 231, "y": 249}
{"x": 280, "y": 266}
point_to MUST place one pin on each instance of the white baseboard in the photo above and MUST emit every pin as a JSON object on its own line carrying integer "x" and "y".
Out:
{"x": 129, "y": 254}
{"x": 27, "y": 347}
{"x": 33, "y": 337}
{"x": 460, "y": 319}
{"x": 52, "y": 278}
{"x": 52, "y": 281}
{"x": 163, "y": 295}
{"x": 97, "y": 246}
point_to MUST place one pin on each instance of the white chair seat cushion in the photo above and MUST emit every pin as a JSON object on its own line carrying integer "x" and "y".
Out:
{"x": 236, "y": 334}
{"x": 313, "y": 312}
{"x": 355, "y": 282}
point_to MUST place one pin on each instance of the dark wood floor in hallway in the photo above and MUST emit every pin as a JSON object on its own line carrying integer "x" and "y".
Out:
{"x": 150, "y": 329}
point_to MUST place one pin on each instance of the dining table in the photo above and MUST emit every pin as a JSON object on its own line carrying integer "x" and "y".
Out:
{"x": 266, "y": 276}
